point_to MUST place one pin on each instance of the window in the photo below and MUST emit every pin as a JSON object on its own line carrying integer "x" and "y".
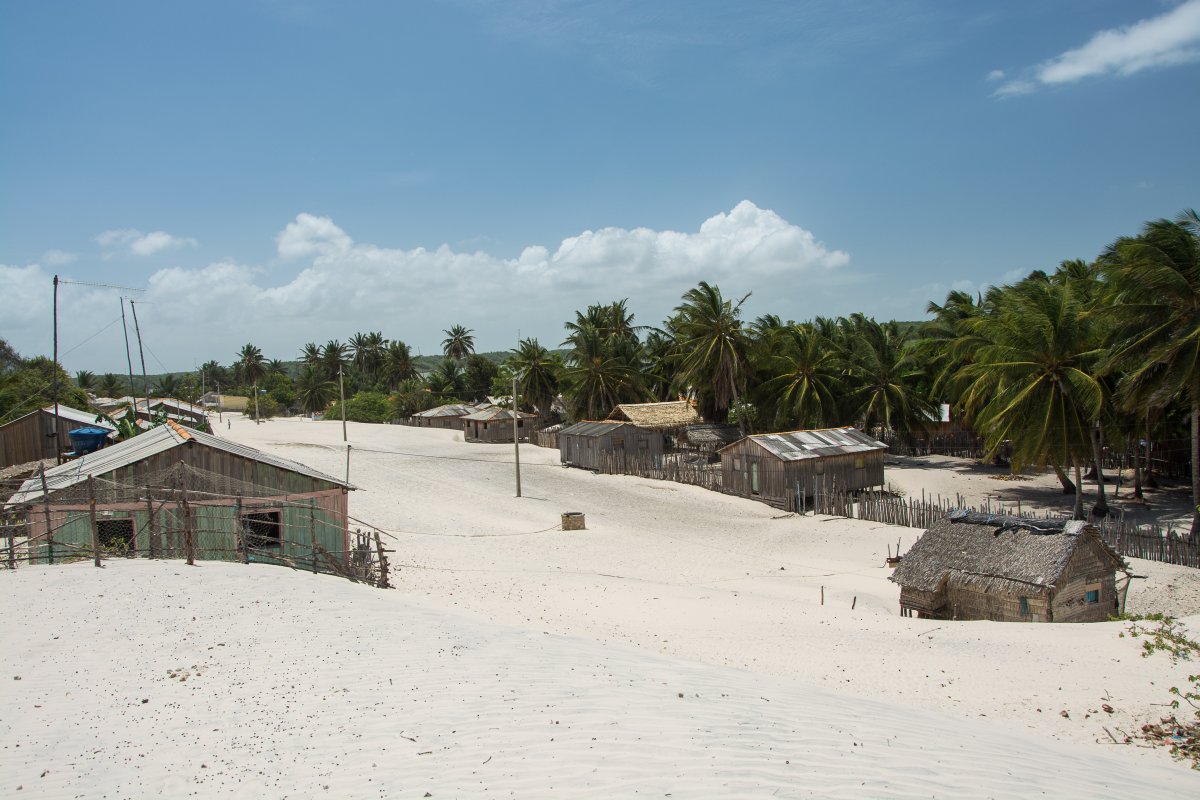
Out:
{"x": 618, "y": 441}
{"x": 860, "y": 462}
{"x": 1093, "y": 596}
{"x": 263, "y": 529}
{"x": 819, "y": 467}
{"x": 1024, "y": 606}
{"x": 115, "y": 535}
{"x": 737, "y": 463}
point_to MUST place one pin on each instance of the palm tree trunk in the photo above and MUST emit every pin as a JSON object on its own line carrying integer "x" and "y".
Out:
{"x": 1099, "y": 510}
{"x": 1137, "y": 469}
{"x": 1195, "y": 461}
{"x": 1067, "y": 486}
{"x": 1148, "y": 477}
{"x": 1077, "y": 513}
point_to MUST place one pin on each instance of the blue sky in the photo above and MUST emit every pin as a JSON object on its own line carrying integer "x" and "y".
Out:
{"x": 279, "y": 172}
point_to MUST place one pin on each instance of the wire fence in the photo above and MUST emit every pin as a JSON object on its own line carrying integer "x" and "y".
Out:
{"x": 1152, "y": 542}
{"x": 190, "y": 514}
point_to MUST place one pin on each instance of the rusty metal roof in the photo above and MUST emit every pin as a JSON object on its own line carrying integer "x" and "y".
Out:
{"x": 799, "y": 445}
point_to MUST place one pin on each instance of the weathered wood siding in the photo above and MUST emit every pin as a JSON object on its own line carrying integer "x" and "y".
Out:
{"x": 32, "y": 437}
{"x": 1090, "y": 569}
{"x": 608, "y": 451}
{"x": 446, "y": 423}
{"x": 495, "y": 430}
{"x": 977, "y": 602}
{"x": 782, "y": 481}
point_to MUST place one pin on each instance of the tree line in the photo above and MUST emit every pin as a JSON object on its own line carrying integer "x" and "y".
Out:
{"x": 1051, "y": 369}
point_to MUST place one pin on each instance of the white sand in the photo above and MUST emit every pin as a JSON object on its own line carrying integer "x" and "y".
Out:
{"x": 501, "y": 626}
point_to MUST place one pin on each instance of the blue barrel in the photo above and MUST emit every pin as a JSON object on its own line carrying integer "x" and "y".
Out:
{"x": 87, "y": 440}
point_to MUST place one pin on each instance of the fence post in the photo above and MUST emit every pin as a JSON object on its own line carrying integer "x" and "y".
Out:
{"x": 154, "y": 543}
{"x": 312, "y": 530}
{"x": 189, "y": 542}
{"x": 243, "y": 544}
{"x": 49, "y": 527}
{"x": 92, "y": 519}
{"x": 383, "y": 565}
{"x": 12, "y": 546}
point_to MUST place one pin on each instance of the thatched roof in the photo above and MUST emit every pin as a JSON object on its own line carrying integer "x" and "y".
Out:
{"x": 712, "y": 434}
{"x": 1006, "y": 554}
{"x": 656, "y": 416}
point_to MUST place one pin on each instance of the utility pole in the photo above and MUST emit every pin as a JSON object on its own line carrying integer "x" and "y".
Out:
{"x": 257, "y": 416}
{"x": 342, "y": 404}
{"x": 220, "y": 418}
{"x": 128, "y": 360}
{"x": 142, "y": 356}
{"x": 516, "y": 438}
{"x": 54, "y": 429}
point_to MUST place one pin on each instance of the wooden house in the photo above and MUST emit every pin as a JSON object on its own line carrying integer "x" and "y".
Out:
{"x": 447, "y": 416}
{"x": 38, "y": 434}
{"x": 779, "y": 467}
{"x": 548, "y": 436}
{"x": 157, "y": 491}
{"x": 1010, "y": 569}
{"x": 495, "y": 424}
{"x": 708, "y": 437}
{"x": 609, "y": 446}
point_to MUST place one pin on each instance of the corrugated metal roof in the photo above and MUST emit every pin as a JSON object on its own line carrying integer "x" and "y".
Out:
{"x": 84, "y": 417}
{"x": 450, "y": 410}
{"x": 591, "y": 428}
{"x": 799, "y": 445}
{"x": 494, "y": 413}
{"x": 154, "y": 441}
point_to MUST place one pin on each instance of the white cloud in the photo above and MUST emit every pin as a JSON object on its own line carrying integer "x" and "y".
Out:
{"x": 1170, "y": 39}
{"x": 338, "y": 286}
{"x": 142, "y": 244}
{"x": 996, "y": 75}
{"x": 58, "y": 258}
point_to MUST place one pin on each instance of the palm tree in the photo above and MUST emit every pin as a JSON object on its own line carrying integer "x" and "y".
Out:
{"x": 596, "y": 380}
{"x": 397, "y": 364}
{"x": 711, "y": 349}
{"x": 276, "y": 367}
{"x": 805, "y": 378}
{"x": 334, "y": 358}
{"x": 85, "y": 380}
{"x": 168, "y": 386}
{"x": 882, "y": 376}
{"x": 1154, "y": 300}
{"x": 1032, "y": 383}
{"x": 250, "y": 359}
{"x": 446, "y": 379}
{"x": 314, "y": 390}
{"x": 459, "y": 343}
{"x": 537, "y": 371}
{"x": 111, "y": 385}
{"x": 367, "y": 353}
{"x": 311, "y": 353}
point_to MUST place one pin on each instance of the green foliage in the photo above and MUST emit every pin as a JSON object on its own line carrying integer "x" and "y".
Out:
{"x": 267, "y": 407}
{"x": 459, "y": 343}
{"x": 477, "y": 378}
{"x": 30, "y": 386}
{"x": 364, "y": 407}
{"x": 1168, "y": 635}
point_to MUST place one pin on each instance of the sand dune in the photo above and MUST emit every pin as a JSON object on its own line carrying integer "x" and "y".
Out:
{"x": 560, "y": 656}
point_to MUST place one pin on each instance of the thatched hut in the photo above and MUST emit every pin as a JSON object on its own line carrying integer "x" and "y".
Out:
{"x": 447, "y": 416}
{"x": 38, "y": 434}
{"x": 1010, "y": 569}
{"x": 670, "y": 416}
{"x": 609, "y": 446}
{"x": 495, "y": 424}
{"x": 173, "y": 489}
{"x": 708, "y": 437}
{"x": 779, "y": 467}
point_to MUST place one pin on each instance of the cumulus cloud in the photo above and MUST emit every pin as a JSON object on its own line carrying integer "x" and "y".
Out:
{"x": 335, "y": 286}
{"x": 142, "y": 244}
{"x": 57, "y": 258}
{"x": 1170, "y": 39}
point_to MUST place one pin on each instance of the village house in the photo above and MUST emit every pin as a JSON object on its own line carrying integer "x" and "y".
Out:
{"x": 39, "y": 435}
{"x": 667, "y": 417}
{"x": 157, "y": 491}
{"x": 609, "y": 446}
{"x": 495, "y": 424}
{"x": 780, "y": 467}
{"x": 447, "y": 416}
{"x": 1011, "y": 569}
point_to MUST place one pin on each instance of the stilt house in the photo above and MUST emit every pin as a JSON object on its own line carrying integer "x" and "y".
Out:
{"x": 1010, "y": 569}
{"x": 172, "y": 489}
{"x": 779, "y": 467}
